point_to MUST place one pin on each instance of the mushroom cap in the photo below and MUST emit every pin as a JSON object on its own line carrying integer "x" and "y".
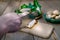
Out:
{"x": 56, "y": 12}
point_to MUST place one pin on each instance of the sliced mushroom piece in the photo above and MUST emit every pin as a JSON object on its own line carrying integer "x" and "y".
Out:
{"x": 56, "y": 12}
{"x": 32, "y": 23}
{"x": 25, "y": 9}
{"x": 40, "y": 29}
{"x": 57, "y": 17}
{"x": 49, "y": 12}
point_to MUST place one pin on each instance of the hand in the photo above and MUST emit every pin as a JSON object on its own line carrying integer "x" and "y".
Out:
{"x": 11, "y": 22}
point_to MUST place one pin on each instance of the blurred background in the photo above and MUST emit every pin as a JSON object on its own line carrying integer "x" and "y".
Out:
{"x": 11, "y": 5}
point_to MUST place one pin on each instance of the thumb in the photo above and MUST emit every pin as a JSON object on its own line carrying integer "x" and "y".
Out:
{"x": 23, "y": 14}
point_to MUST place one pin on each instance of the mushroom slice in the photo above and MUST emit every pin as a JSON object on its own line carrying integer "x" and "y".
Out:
{"x": 32, "y": 23}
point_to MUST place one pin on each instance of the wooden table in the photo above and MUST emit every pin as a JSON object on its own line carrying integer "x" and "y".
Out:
{"x": 10, "y": 6}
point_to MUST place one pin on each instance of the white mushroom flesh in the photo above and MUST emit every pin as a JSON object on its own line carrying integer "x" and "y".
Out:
{"x": 53, "y": 14}
{"x": 56, "y": 12}
{"x": 31, "y": 24}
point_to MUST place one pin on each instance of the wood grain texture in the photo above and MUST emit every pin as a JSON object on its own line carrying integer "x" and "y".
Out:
{"x": 3, "y": 6}
{"x": 51, "y": 5}
{"x": 46, "y": 5}
{"x": 18, "y": 35}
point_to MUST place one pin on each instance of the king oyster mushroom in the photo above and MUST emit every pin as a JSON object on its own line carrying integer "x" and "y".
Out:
{"x": 56, "y": 12}
{"x": 38, "y": 29}
{"x": 49, "y": 14}
{"x": 31, "y": 24}
{"x": 25, "y": 9}
{"x": 57, "y": 17}
{"x": 53, "y": 14}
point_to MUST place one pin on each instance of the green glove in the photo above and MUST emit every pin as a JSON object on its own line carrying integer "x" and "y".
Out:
{"x": 24, "y": 6}
{"x": 32, "y": 7}
{"x": 37, "y": 7}
{"x": 18, "y": 11}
